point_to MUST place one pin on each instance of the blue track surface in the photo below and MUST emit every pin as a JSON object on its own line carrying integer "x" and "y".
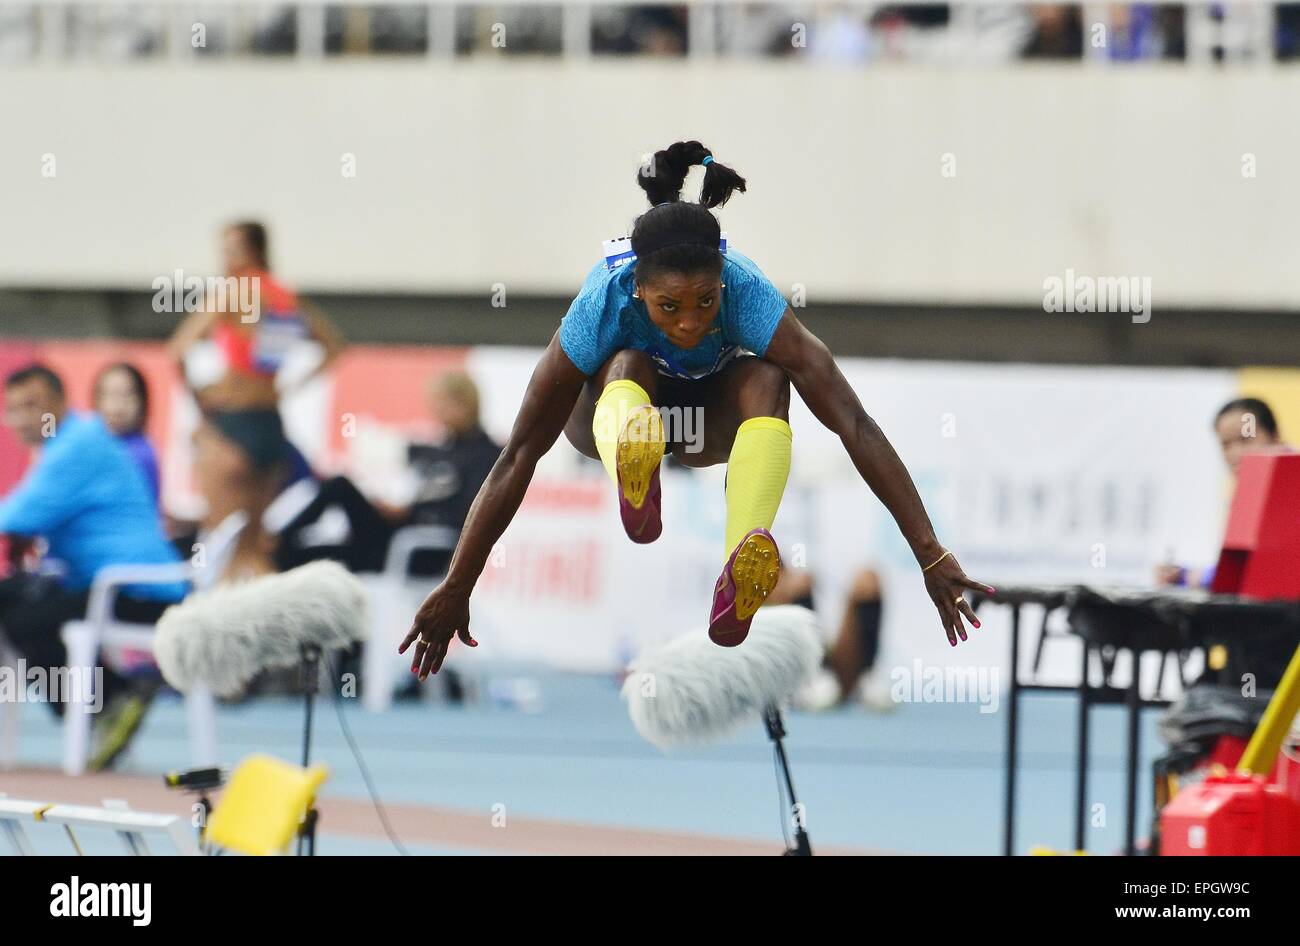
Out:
{"x": 927, "y": 779}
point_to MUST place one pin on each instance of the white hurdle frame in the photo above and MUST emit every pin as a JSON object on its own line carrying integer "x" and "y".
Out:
{"x": 134, "y": 828}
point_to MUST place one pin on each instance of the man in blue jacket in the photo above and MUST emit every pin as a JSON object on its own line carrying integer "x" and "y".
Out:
{"x": 89, "y": 501}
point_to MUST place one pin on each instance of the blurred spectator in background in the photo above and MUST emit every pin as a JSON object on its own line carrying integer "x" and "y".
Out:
{"x": 312, "y": 520}
{"x": 244, "y": 465}
{"x": 241, "y": 462}
{"x": 1288, "y": 31}
{"x": 375, "y": 29}
{"x": 1138, "y": 31}
{"x": 847, "y": 667}
{"x": 1058, "y": 32}
{"x": 651, "y": 30}
{"x": 920, "y": 15}
{"x": 851, "y": 659}
{"x": 840, "y": 34}
{"x": 1242, "y": 425}
{"x": 87, "y": 498}
{"x": 255, "y": 345}
{"x": 894, "y": 26}
{"x": 122, "y": 401}
{"x": 448, "y": 473}
{"x": 246, "y": 472}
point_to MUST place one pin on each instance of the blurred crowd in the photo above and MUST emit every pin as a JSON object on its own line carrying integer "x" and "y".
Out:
{"x": 89, "y": 500}
{"x": 858, "y": 32}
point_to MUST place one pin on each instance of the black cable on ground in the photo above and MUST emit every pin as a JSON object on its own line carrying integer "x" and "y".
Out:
{"x": 365, "y": 772}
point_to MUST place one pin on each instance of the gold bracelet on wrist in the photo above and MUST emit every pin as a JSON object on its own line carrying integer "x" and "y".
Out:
{"x": 935, "y": 562}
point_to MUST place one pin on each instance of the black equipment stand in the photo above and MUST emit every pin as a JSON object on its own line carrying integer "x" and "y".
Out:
{"x": 776, "y": 732}
{"x": 200, "y": 782}
{"x": 311, "y": 657}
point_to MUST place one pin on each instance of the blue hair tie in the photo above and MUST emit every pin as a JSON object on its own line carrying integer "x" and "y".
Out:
{"x": 708, "y": 159}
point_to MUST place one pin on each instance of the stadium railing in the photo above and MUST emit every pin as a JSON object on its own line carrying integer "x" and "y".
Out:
{"x": 1216, "y": 30}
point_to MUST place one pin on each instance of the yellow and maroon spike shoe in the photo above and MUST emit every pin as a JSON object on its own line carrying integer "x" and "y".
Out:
{"x": 750, "y": 575}
{"x": 640, "y": 452}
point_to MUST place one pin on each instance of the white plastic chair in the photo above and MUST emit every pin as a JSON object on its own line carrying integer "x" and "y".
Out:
{"x": 84, "y": 640}
{"x": 380, "y": 663}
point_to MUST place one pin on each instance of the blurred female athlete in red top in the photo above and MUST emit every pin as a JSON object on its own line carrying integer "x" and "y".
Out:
{"x": 255, "y": 350}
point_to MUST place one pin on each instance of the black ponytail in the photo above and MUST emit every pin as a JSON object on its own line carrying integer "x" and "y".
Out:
{"x": 256, "y": 239}
{"x": 663, "y": 176}
{"x": 677, "y": 235}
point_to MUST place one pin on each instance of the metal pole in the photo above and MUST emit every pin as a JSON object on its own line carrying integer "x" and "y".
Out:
{"x": 1013, "y": 720}
{"x": 1081, "y": 784}
{"x": 1134, "y": 714}
{"x": 311, "y": 30}
{"x": 575, "y": 31}
{"x": 701, "y": 30}
{"x": 53, "y": 31}
{"x": 442, "y": 31}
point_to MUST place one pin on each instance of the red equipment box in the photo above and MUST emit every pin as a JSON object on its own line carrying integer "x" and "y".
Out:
{"x": 1231, "y": 814}
{"x": 1262, "y": 544}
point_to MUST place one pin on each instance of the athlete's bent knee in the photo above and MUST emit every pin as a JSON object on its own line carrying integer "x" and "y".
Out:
{"x": 631, "y": 365}
{"x": 767, "y": 390}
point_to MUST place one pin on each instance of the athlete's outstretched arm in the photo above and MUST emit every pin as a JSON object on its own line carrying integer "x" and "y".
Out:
{"x": 552, "y": 392}
{"x": 193, "y": 327}
{"x": 813, "y": 372}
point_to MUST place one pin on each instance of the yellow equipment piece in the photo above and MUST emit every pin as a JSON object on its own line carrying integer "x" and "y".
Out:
{"x": 1261, "y": 752}
{"x": 263, "y": 805}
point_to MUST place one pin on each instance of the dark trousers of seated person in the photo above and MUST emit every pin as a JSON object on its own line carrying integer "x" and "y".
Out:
{"x": 365, "y": 546}
{"x": 33, "y": 610}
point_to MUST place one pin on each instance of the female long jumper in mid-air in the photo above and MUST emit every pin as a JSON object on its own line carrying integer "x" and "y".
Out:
{"x": 682, "y": 322}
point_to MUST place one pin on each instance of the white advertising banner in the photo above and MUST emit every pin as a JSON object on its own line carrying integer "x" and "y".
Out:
{"x": 1030, "y": 474}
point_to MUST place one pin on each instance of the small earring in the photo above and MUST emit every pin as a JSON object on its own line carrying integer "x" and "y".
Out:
{"x": 636, "y": 293}
{"x": 724, "y": 285}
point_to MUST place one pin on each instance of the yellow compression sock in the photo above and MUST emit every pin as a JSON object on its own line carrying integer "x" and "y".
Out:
{"x": 612, "y": 407}
{"x": 756, "y": 473}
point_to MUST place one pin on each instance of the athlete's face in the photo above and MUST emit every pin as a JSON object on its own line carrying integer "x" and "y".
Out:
{"x": 683, "y": 305}
{"x": 1239, "y": 433}
{"x": 236, "y": 254}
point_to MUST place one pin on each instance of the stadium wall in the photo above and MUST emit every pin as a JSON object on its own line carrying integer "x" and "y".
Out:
{"x": 471, "y": 174}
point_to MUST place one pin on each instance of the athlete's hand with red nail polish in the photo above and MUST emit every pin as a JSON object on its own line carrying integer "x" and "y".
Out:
{"x": 444, "y": 615}
{"x": 947, "y": 584}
